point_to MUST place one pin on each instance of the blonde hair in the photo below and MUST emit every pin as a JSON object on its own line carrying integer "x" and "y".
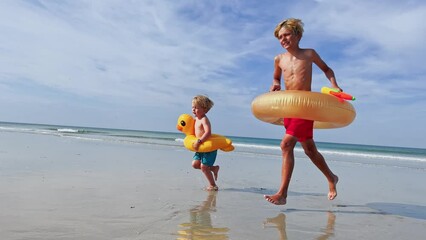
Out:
{"x": 203, "y": 101}
{"x": 293, "y": 24}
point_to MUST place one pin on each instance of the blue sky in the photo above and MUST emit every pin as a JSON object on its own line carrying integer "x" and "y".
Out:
{"x": 137, "y": 64}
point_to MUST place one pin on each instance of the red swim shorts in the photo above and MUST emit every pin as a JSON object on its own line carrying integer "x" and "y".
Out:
{"x": 302, "y": 129}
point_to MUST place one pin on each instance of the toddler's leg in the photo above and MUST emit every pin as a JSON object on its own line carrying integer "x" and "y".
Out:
{"x": 196, "y": 164}
{"x": 208, "y": 173}
{"x": 215, "y": 171}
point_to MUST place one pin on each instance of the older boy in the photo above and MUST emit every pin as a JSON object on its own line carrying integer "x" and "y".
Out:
{"x": 296, "y": 66}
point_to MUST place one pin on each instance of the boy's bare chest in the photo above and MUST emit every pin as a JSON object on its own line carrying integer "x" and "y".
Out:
{"x": 199, "y": 129}
{"x": 294, "y": 65}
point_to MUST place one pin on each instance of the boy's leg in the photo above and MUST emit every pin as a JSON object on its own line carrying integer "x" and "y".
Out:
{"x": 209, "y": 160}
{"x": 287, "y": 147}
{"x": 316, "y": 157}
{"x": 215, "y": 171}
{"x": 196, "y": 164}
{"x": 208, "y": 173}
{"x": 209, "y": 170}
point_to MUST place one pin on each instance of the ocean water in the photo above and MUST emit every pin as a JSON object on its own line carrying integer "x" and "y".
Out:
{"x": 350, "y": 153}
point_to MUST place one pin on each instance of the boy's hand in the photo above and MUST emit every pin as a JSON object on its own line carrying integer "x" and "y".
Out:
{"x": 196, "y": 145}
{"x": 275, "y": 87}
{"x": 339, "y": 89}
{"x": 336, "y": 86}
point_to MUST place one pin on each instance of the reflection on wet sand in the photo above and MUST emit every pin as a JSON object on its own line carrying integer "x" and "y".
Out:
{"x": 200, "y": 226}
{"x": 279, "y": 222}
{"x": 329, "y": 230}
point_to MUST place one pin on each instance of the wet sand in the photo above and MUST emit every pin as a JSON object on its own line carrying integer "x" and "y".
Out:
{"x": 65, "y": 188}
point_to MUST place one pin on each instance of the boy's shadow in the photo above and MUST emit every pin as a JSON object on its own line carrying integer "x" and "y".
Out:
{"x": 200, "y": 225}
{"x": 279, "y": 222}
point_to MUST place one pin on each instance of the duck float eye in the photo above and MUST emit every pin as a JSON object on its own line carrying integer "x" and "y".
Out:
{"x": 182, "y": 123}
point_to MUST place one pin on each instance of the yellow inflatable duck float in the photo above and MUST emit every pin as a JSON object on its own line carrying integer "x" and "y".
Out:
{"x": 186, "y": 123}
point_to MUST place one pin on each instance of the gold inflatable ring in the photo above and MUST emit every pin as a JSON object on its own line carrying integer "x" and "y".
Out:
{"x": 326, "y": 110}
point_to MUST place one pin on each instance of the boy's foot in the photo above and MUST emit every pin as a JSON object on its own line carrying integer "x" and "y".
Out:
{"x": 332, "y": 193}
{"x": 215, "y": 172}
{"x": 212, "y": 188}
{"x": 276, "y": 199}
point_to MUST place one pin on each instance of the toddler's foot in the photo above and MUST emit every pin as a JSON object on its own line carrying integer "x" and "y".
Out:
{"x": 332, "y": 193}
{"x": 276, "y": 199}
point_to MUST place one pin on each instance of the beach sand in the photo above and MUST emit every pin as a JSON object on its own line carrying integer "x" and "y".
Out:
{"x": 65, "y": 188}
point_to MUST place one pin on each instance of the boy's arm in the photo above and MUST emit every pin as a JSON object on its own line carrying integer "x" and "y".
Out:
{"x": 276, "y": 82}
{"x": 329, "y": 73}
{"x": 207, "y": 129}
